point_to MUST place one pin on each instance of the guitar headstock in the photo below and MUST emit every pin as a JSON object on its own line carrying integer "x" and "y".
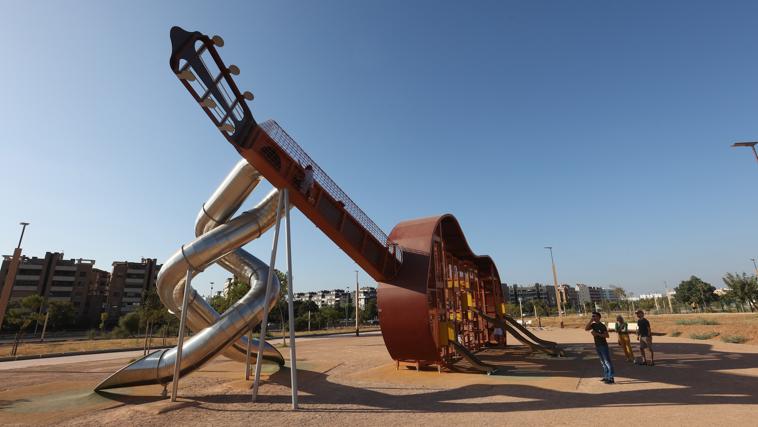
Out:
{"x": 197, "y": 64}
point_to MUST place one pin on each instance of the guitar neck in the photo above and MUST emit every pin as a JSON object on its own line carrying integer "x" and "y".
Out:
{"x": 198, "y": 65}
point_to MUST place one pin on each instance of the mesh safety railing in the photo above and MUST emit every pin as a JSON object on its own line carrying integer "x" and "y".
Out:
{"x": 289, "y": 146}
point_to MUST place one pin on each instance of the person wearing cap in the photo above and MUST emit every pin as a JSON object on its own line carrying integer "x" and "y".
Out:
{"x": 645, "y": 337}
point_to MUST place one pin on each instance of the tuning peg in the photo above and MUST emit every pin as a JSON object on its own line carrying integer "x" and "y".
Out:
{"x": 218, "y": 41}
{"x": 226, "y": 127}
{"x": 248, "y": 95}
{"x": 208, "y": 103}
{"x": 235, "y": 70}
{"x": 187, "y": 75}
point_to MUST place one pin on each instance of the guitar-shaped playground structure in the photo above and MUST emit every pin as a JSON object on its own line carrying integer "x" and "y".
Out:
{"x": 435, "y": 295}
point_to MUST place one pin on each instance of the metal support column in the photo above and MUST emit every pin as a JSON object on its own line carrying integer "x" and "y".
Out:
{"x": 247, "y": 353}
{"x": 291, "y": 302}
{"x": 180, "y": 342}
{"x": 264, "y": 322}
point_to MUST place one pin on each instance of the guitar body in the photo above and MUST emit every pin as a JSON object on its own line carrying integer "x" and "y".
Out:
{"x": 434, "y": 298}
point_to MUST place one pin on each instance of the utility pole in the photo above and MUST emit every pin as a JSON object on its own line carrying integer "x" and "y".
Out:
{"x": 10, "y": 277}
{"x": 521, "y": 310}
{"x": 347, "y": 303}
{"x": 754, "y": 266}
{"x": 558, "y": 299}
{"x": 357, "y": 290}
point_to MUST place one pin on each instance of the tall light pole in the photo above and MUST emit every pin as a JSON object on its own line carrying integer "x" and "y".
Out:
{"x": 754, "y": 266}
{"x": 357, "y": 289}
{"x": 748, "y": 144}
{"x": 211, "y": 290}
{"x": 347, "y": 302}
{"x": 10, "y": 277}
{"x": 558, "y": 299}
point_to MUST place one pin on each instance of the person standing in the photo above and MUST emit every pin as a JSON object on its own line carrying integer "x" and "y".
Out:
{"x": 622, "y": 329}
{"x": 600, "y": 334}
{"x": 497, "y": 333}
{"x": 307, "y": 184}
{"x": 645, "y": 336}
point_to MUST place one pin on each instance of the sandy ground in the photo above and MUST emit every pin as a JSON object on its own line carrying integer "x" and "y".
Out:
{"x": 346, "y": 380}
{"x": 724, "y": 325}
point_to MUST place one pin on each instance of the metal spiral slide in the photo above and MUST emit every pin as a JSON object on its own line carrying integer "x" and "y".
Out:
{"x": 219, "y": 240}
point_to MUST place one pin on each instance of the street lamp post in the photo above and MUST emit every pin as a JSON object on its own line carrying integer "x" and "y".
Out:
{"x": 10, "y": 277}
{"x": 754, "y": 266}
{"x": 748, "y": 144}
{"x": 558, "y": 299}
{"x": 357, "y": 289}
{"x": 347, "y": 302}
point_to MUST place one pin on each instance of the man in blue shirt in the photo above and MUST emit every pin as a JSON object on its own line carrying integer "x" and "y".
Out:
{"x": 600, "y": 334}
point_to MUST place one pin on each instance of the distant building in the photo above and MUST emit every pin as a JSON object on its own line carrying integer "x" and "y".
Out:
{"x": 97, "y": 297}
{"x": 609, "y": 294}
{"x": 328, "y": 298}
{"x": 55, "y": 279}
{"x": 526, "y": 294}
{"x": 366, "y": 294}
{"x": 570, "y": 295}
{"x": 651, "y": 296}
{"x": 129, "y": 283}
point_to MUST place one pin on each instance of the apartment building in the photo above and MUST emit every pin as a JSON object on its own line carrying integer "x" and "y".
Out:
{"x": 328, "y": 298}
{"x": 366, "y": 294}
{"x": 54, "y": 278}
{"x": 129, "y": 283}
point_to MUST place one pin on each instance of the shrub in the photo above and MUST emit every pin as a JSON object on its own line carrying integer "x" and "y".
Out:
{"x": 704, "y": 336}
{"x": 696, "y": 322}
{"x": 675, "y": 333}
{"x": 118, "y": 333}
{"x": 734, "y": 339}
{"x": 129, "y": 323}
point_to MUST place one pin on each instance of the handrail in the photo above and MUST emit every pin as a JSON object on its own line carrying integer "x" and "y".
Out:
{"x": 293, "y": 149}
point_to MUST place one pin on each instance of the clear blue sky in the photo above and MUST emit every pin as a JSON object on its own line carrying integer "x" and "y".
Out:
{"x": 601, "y": 128}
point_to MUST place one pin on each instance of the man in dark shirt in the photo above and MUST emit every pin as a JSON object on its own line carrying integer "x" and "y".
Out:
{"x": 645, "y": 336}
{"x": 600, "y": 334}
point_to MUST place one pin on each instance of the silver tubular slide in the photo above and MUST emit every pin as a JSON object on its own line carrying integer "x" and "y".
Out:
{"x": 219, "y": 240}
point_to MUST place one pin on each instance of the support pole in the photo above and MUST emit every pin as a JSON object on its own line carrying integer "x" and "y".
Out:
{"x": 269, "y": 278}
{"x": 357, "y": 289}
{"x": 180, "y": 342}
{"x": 291, "y": 302}
{"x": 247, "y": 355}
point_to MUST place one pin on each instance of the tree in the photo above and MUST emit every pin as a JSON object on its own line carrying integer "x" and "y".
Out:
{"x": 103, "y": 319}
{"x": 129, "y": 323}
{"x": 695, "y": 292}
{"x": 61, "y": 314}
{"x": 370, "y": 311}
{"x": 22, "y": 314}
{"x": 743, "y": 288}
{"x": 305, "y": 307}
{"x": 236, "y": 290}
{"x": 618, "y": 292}
{"x": 329, "y": 315}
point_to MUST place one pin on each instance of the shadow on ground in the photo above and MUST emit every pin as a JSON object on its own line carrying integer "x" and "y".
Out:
{"x": 691, "y": 372}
